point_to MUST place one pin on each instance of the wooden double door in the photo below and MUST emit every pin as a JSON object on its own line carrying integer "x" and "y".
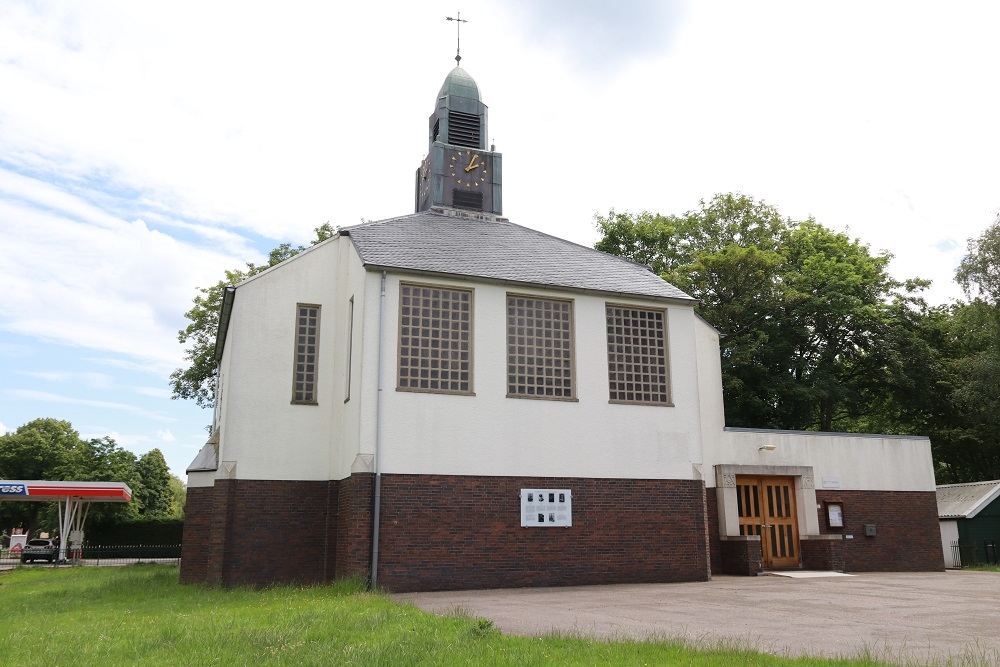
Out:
{"x": 766, "y": 508}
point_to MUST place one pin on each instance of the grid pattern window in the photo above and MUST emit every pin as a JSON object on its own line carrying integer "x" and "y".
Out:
{"x": 637, "y": 356}
{"x": 539, "y": 348}
{"x": 435, "y": 339}
{"x": 306, "y": 354}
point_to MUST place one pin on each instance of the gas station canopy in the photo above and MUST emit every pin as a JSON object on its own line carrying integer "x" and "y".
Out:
{"x": 73, "y": 498}
{"x": 40, "y": 491}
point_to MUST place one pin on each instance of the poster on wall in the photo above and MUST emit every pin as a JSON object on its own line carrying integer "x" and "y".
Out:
{"x": 835, "y": 515}
{"x": 546, "y": 508}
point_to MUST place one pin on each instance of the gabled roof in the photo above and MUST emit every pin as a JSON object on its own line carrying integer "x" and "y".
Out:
{"x": 474, "y": 245}
{"x": 964, "y": 501}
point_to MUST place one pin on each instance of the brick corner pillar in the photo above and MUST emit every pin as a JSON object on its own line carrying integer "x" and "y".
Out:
{"x": 353, "y": 538}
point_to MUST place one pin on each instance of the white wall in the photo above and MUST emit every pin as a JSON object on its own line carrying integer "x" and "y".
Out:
{"x": 839, "y": 461}
{"x": 949, "y": 534}
{"x": 266, "y": 435}
{"x": 490, "y": 434}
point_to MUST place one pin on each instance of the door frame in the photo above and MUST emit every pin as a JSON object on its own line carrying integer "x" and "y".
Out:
{"x": 805, "y": 496}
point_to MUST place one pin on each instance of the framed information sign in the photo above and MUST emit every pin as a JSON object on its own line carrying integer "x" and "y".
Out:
{"x": 835, "y": 515}
{"x": 546, "y": 508}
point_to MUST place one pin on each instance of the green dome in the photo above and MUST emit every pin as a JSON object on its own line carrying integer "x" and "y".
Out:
{"x": 458, "y": 83}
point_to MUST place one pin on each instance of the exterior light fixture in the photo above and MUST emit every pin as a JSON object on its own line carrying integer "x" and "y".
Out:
{"x": 767, "y": 448}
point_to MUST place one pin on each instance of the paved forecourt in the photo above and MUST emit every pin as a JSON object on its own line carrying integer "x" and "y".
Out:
{"x": 925, "y": 617}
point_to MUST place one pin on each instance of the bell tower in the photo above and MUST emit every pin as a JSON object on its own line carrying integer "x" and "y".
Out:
{"x": 459, "y": 171}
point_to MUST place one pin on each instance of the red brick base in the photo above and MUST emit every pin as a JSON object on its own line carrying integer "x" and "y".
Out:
{"x": 449, "y": 532}
{"x": 443, "y": 532}
{"x": 907, "y": 536}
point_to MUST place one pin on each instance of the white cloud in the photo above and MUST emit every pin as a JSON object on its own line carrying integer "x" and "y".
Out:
{"x": 145, "y": 148}
{"x": 3, "y": 428}
{"x": 48, "y": 397}
{"x": 91, "y": 380}
{"x": 165, "y": 435}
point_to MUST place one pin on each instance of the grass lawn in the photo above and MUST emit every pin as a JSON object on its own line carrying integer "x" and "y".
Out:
{"x": 140, "y": 615}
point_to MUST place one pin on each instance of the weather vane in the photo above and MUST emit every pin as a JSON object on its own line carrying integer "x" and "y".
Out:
{"x": 458, "y": 49}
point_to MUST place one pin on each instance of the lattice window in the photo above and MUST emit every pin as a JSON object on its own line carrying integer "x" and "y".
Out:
{"x": 435, "y": 339}
{"x": 539, "y": 348}
{"x": 306, "y": 354}
{"x": 637, "y": 355}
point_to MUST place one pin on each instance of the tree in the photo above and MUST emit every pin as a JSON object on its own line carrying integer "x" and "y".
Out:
{"x": 155, "y": 495}
{"x": 50, "y": 449}
{"x": 803, "y": 311}
{"x": 973, "y": 453}
{"x": 197, "y": 380}
{"x": 36, "y": 449}
{"x": 979, "y": 271}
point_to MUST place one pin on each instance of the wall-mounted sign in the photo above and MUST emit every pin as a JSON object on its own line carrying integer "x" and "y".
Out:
{"x": 546, "y": 508}
{"x": 835, "y": 515}
{"x": 831, "y": 482}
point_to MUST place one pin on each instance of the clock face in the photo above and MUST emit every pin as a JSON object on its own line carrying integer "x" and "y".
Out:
{"x": 467, "y": 168}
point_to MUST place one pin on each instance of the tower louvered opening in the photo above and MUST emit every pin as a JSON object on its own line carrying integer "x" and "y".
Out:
{"x": 470, "y": 201}
{"x": 463, "y": 129}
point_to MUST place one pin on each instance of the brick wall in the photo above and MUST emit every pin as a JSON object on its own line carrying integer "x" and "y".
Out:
{"x": 443, "y": 532}
{"x": 714, "y": 541}
{"x": 259, "y": 532}
{"x": 907, "y": 538}
{"x": 196, "y": 545}
{"x": 740, "y": 555}
{"x": 353, "y": 537}
{"x": 820, "y": 554}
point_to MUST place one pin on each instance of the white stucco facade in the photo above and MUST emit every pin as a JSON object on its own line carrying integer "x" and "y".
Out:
{"x": 263, "y": 435}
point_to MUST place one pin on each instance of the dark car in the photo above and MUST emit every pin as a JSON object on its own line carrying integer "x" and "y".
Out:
{"x": 40, "y": 549}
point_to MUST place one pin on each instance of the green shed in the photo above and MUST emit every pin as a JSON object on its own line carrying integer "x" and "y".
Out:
{"x": 970, "y": 522}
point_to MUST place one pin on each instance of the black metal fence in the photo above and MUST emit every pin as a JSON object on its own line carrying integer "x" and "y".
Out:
{"x": 96, "y": 556}
{"x": 968, "y": 554}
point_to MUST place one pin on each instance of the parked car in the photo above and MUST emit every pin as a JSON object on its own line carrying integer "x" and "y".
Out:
{"x": 40, "y": 549}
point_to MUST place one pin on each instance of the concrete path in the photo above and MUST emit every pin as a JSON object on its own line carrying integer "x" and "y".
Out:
{"x": 924, "y": 617}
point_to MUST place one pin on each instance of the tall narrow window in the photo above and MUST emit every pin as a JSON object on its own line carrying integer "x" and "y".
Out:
{"x": 435, "y": 339}
{"x": 539, "y": 348}
{"x": 637, "y": 356}
{"x": 350, "y": 348}
{"x": 306, "y": 354}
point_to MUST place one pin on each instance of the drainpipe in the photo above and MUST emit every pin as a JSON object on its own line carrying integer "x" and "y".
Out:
{"x": 378, "y": 439}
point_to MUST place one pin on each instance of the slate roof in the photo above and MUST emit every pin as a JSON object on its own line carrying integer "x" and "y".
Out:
{"x": 964, "y": 501}
{"x": 450, "y": 242}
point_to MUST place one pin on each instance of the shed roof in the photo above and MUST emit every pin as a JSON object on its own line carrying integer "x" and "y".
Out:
{"x": 964, "y": 501}
{"x": 451, "y": 242}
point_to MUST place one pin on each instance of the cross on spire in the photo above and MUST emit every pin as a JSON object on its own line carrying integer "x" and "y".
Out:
{"x": 458, "y": 49}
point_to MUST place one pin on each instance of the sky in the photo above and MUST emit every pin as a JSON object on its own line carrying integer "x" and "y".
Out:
{"x": 145, "y": 148}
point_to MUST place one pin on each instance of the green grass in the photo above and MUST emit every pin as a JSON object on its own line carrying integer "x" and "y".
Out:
{"x": 983, "y": 567}
{"x": 140, "y": 615}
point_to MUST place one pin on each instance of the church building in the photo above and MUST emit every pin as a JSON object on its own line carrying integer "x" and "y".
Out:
{"x": 449, "y": 400}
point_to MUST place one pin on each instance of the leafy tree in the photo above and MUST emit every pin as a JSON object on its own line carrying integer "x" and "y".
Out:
{"x": 972, "y": 451}
{"x": 155, "y": 495}
{"x": 804, "y": 312}
{"x": 34, "y": 451}
{"x": 178, "y": 496}
{"x": 197, "y": 380}
{"x": 979, "y": 271}
{"x": 50, "y": 449}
